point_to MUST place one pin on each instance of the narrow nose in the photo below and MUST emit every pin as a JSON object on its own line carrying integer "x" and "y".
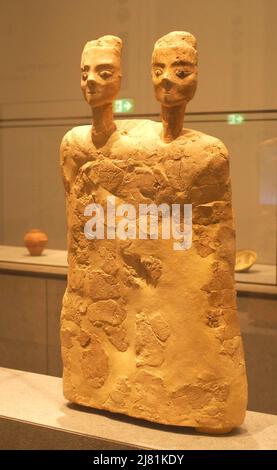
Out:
{"x": 166, "y": 83}
{"x": 91, "y": 81}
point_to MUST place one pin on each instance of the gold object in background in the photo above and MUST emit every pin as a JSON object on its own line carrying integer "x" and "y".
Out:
{"x": 245, "y": 260}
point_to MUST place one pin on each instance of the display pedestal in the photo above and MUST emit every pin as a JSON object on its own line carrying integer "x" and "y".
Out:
{"x": 34, "y": 415}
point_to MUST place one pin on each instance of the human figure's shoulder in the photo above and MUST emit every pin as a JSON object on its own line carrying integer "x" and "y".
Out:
{"x": 200, "y": 163}
{"x": 198, "y": 142}
{"x": 74, "y": 152}
{"x": 76, "y": 140}
{"x": 210, "y": 156}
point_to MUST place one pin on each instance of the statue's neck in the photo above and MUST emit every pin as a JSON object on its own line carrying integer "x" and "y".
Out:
{"x": 103, "y": 124}
{"x": 172, "y": 119}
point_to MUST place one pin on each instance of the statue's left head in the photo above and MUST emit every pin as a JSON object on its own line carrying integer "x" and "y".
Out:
{"x": 101, "y": 70}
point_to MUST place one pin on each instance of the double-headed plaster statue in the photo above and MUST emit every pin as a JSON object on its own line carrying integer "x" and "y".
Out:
{"x": 149, "y": 330}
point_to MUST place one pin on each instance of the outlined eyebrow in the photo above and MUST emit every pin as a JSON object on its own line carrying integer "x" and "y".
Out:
{"x": 106, "y": 66}
{"x": 182, "y": 62}
{"x": 158, "y": 64}
{"x": 99, "y": 67}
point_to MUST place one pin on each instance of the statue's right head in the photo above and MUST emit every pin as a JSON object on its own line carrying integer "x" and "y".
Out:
{"x": 101, "y": 70}
{"x": 174, "y": 68}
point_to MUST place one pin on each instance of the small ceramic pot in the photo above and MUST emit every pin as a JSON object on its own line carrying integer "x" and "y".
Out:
{"x": 35, "y": 241}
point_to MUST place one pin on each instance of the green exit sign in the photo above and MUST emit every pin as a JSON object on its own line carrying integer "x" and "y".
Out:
{"x": 235, "y": 119}
{"x": 125, "y": 105}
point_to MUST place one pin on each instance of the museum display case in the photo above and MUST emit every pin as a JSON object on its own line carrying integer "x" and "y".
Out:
{"x": 249, "y": 137}
{"x": 41, "y": 101}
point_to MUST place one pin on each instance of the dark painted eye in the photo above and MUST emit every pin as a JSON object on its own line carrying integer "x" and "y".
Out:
{"x": 105, "y": 74}
{"x": 158, "y": 72}
{"x": 181, "y": 73}
{"x": 84, "y": 76}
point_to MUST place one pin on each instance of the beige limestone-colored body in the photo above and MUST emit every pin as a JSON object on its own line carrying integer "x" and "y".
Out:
{"x": 146, "y": 330}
